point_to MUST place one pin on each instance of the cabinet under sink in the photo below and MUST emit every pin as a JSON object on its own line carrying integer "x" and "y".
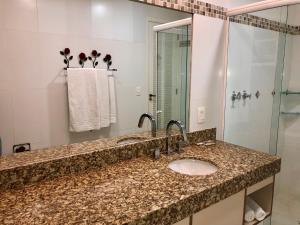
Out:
{"x": 230, "y": 211}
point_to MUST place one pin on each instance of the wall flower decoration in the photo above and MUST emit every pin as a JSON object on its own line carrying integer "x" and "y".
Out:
{"x": 67, "y": 58}
{"x": 107, "y": 60}
{"x": 82, "y": 59}
{"x": 93, "y": 57}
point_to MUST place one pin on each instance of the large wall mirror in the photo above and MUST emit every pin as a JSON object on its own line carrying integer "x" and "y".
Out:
{"x": 153, "y": 66}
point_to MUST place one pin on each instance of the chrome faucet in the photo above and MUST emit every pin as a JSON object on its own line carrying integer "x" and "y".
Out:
{"x": 152, "y": 120}
{"x": 180, "y": 144}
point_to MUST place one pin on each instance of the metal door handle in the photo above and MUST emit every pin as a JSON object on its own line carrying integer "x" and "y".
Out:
{"x": 151, "y": 96}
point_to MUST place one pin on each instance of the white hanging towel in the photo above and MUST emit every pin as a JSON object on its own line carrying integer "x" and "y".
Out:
{"x": 260, "y": 214}
{"x": 84, "y": 114}
{"x": 112, "y": 98}
{"x": 103, "y": 96}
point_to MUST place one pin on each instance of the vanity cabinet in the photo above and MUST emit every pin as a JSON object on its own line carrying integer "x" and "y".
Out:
{"x": 262, "y": 193}
{"x": 230, "y": 211}
{"x": 226, "y": 212}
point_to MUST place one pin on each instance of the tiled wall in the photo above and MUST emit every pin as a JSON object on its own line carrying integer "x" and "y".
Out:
{"x": 211, "y": 10}
{"x": 265, "y": 24}
{"x": 191, "y": 6}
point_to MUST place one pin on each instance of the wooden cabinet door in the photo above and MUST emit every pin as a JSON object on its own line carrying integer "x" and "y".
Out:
{"x": 226, "y": 212}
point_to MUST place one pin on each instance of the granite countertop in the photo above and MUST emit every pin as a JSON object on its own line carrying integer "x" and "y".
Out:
{"x": 140, "y": 191}
{"x": 65, "y": 151}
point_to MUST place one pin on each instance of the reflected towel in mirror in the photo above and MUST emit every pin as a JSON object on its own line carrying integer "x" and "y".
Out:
{"x": 84, "y": 114}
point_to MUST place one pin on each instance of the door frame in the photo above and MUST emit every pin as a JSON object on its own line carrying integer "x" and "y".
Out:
{"x": 151, "y": 45}
{"x": 163, "y": 25}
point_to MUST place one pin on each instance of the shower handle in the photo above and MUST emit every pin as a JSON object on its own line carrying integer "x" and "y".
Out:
{"x": 245, "y": 95}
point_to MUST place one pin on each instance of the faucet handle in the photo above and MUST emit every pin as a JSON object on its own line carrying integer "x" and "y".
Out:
{"x": 156, "y": 153}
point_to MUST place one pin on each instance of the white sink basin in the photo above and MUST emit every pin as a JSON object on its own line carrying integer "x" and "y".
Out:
{"x": 193, "y": 167}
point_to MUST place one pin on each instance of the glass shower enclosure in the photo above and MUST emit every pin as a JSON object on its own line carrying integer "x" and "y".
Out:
{"x": 263, "y": 101}
{"x": 171, "y": 83}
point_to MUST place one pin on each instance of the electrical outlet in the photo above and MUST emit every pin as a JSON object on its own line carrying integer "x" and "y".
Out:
{"x": 138, "y": 91}
{"x": 21, "y": 148}
{"x": 201, "y": 114}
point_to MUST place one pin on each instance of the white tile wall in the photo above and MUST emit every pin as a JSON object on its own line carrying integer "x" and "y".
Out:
{"x": 33, "y": 92}
{"x": 7, "y": 121}
{"x": 20, "y": 15}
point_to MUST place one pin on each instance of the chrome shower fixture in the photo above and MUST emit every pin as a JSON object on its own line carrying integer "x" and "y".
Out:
{"x": 246, "y": 95}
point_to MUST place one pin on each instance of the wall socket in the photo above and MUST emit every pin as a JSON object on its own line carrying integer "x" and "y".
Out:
{"x": 201, "y": 114}
{"x": 21, "y": 148}
{"x": 138, "y": 91}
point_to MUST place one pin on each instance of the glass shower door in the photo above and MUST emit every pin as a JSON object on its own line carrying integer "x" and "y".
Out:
{"x": 172, "y": 77}
{"x": 255, "y": 66}
{"x": 253, "y": 94}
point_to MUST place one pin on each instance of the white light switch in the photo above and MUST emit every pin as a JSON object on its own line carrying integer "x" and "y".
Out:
{"x": 138, "y": 91}
{"x": 201, "y": 114}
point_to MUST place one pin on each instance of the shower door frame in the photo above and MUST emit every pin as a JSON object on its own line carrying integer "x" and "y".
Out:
{"x": 259, "y": 6}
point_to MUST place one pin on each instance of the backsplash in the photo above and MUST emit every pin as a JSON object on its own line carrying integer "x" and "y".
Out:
{"x": 31, "y": 167}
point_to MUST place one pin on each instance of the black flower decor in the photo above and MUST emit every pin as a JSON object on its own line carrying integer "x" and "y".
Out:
{"x": 93, "y": 57}
{"x": 66, "y": 52}
{"x": 107, "y": 60}
{"x": 82, "y": 59}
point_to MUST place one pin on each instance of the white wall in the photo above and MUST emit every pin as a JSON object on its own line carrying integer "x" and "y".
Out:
{"x": 207, "y": 73}
{"x": 32, "y": 85}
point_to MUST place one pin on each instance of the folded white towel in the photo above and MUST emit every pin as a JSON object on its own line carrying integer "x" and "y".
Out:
{"x": 103, "y": 94}
{"x": 83, "y": 99}
{"x": 260, "y": 214}
{"x": 249, "y": 214}
{"x": 112, "y": 98}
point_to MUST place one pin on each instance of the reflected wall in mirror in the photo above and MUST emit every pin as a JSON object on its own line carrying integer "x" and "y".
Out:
{"x": 33, "y": 88}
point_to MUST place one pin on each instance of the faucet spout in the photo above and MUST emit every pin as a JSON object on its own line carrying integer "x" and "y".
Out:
{"x": 152, "y": 120}
{"x": 181, "y": 127}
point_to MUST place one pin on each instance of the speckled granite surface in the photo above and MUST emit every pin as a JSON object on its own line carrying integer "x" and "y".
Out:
{"x": 31, "y": 167}
{"x": 139, "y": 191}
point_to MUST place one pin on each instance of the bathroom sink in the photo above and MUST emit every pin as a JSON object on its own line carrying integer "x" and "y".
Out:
{"x": 193, "y": 167}
{"x": 130, "y": 140}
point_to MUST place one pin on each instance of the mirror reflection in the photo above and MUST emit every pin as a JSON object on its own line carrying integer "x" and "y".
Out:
{"x": 122, "y": 59}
